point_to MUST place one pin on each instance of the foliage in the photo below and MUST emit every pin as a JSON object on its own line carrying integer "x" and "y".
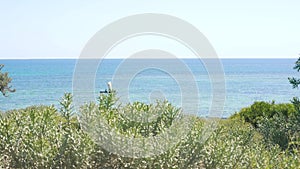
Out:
{"x": 260, "y": 110}
{"x": 295, "y": 81}
{"x": 39, "y": 137}
{"x": 44, "y": 137}
{"x": 281, "y": 131}
{"x": 278, "y": 123}
{"x": 5, "y": 80}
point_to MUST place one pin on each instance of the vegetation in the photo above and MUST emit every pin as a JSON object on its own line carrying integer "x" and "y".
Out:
{"x": 44, "y": 137}
{"x": 295, "y": 83}
{"x": 278, "y": 123}
{"x": 5, "y": 80}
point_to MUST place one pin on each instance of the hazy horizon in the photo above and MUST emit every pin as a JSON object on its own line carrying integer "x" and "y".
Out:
{"x": 61, "y": 58}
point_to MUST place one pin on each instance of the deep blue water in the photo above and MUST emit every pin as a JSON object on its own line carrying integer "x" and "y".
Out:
{"x": 247, "y": 80}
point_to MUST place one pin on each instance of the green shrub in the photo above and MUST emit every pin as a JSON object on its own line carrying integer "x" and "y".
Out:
{"x": 39, "y": 137}
{"x": 278, "y": 123}
{"x": 261, "y": 110}
{"x": 280, "y": 130}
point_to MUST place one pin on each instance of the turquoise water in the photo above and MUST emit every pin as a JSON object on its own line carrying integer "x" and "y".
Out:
{"x": 247, "y": 80}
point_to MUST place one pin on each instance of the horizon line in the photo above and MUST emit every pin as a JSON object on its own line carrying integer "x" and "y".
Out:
{"x": 68, "y": 58}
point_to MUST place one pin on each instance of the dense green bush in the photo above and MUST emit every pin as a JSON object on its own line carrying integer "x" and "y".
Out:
{"x": 281, "y": 130}
{"x": 278, "y": 123}
{"x": 38, "y": 137}
{"x": 261, "y": 110}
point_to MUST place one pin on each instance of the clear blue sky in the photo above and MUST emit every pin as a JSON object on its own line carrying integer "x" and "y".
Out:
{"x": 236, "y": 28}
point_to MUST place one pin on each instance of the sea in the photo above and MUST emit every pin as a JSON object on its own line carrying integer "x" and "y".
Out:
{"x": 44, "y": 82}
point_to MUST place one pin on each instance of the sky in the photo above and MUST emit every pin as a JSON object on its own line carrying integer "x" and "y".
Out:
{"x": 235, "y": 28}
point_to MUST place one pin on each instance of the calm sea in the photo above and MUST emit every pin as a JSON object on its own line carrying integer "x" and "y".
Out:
{"x": 247, "y": 80}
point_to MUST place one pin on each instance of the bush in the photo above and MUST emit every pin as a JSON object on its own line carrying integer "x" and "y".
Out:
{"x": 278, "y": 123}
{"x": 280, "y": 130}
{"x": 40, "y": 137}
{"x": 261, "y": 110}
